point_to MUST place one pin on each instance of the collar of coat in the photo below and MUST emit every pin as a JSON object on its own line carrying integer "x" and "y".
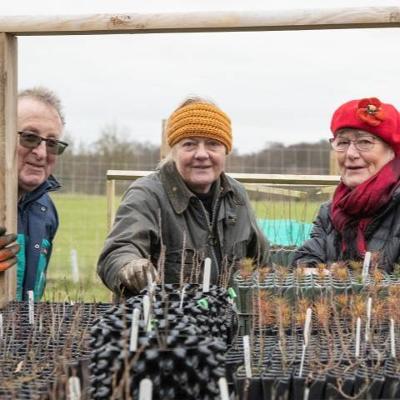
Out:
{"x": 50, "y": 185}
{"x": 180, "y": 195}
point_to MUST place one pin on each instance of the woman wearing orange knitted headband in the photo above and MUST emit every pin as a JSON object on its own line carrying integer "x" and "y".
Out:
{"x": 186, "y": 211}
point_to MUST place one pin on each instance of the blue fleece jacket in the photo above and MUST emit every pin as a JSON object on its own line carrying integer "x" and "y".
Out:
{"x": 37, "y": 227}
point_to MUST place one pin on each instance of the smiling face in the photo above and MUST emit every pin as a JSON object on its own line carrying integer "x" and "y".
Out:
{"x": 200, "y": 162}
{"x": 357, "y": 166}
{"x": 35, "y": 165}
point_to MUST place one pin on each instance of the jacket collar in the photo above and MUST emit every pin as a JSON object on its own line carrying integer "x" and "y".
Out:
{"x": 51, "y": 184}
{"x": 177, "y": 191}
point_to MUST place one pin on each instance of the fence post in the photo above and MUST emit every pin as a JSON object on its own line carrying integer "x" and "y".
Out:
{"x": 333, "y": 166}
{"x": 110, "y": 203}
{"x": 8, "y": 154}
{"x": 164, "y": 149}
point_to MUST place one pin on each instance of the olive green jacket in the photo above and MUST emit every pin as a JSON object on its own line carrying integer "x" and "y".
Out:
{"x": 159, "y": 217}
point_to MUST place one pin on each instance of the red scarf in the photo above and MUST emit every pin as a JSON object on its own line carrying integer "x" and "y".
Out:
{"x": 357, "y": 207}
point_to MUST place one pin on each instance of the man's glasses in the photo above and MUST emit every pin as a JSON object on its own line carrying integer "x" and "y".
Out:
{"x": 362, "y": 143}
{"x": 31, "y": 140}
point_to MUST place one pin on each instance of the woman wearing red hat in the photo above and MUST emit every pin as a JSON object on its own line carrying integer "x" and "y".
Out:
{"x": 364, "y": 214}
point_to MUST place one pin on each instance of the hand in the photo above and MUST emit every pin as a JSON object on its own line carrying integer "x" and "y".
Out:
{"x": 135, "y": 276}
{"x": 7, "y": 251}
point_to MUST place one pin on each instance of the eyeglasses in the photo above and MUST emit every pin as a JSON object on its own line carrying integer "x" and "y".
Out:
{"x": 362, "y": 143}
{"x": 30, "y": 140}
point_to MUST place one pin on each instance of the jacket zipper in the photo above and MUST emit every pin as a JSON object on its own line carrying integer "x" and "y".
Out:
{"x": 211, "y": 232}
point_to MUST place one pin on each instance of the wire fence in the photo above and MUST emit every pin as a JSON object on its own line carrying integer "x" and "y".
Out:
{"x": 284, "y": 215}
{"x": 86, "y": 174}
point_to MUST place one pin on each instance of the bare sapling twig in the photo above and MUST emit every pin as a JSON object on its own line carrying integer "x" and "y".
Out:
{"x": 183, "y": 259}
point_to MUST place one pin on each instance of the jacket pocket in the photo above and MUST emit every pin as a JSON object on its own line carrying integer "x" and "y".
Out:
{"x": 40, "y": 280}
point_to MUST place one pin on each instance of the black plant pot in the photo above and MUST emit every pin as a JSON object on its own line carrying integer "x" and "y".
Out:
{"x": 276, "y": 384}
{"x": 314, "y": 384}
{"x": 391, "y": 388}
{"x": 233, "y": 361}
{"x": 336, "y": 378}
{"x": 248, "y": 388}
{"x": 372, "y": 383}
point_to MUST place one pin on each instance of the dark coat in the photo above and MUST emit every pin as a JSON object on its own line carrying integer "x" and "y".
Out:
{"x": 37, "y": 227}
{"x": 159, "y": 210}
{"x": 382, "y": 235}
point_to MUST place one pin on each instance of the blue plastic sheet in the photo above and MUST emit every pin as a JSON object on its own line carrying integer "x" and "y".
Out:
{"x": 285, "y": 232}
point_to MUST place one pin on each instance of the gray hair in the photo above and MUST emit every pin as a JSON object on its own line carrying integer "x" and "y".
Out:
{"x": 195, "y": 99}
{"x": 45, "y": 96}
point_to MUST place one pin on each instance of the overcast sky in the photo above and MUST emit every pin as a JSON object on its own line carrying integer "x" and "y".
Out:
{"x": 275, "y": 86}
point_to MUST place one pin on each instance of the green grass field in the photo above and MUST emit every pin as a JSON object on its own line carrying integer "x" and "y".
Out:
{"x": 83, "y": 229}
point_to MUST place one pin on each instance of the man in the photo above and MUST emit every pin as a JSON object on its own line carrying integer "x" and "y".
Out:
{"x": 40, "y": 125}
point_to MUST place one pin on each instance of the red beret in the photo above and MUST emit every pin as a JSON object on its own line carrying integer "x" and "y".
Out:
{"x": 370, "y": 115}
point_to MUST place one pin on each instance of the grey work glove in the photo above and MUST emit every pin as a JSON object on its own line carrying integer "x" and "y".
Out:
{"x": 8, "y": 250}
{"x": 134, "y": 276}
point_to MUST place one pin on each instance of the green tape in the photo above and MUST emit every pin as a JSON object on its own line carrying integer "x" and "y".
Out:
{"x": 203, "y": 303}
{"x": 231, "y": 293}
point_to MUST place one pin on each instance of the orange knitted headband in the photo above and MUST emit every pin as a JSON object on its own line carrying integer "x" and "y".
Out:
{"x": 199, "y": 119}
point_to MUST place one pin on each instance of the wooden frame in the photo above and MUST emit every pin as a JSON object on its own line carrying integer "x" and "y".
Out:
{"x": 10, "y": 27}
{"x": 8, "y": 158}
{"x": 259, "y": 180}
{"x": 216, "y": 21}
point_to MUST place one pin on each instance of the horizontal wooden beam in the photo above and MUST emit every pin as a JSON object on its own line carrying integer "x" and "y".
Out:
{"x": 251, "y": 187}
{"x": 339, "y": 18}
{"x": 244, "y": 178}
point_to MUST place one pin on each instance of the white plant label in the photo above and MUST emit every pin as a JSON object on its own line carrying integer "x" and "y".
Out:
{"x": 366, "y": 263}
{"x": 247, "y": 355}
{"x": 74, "y": 385}
{"x": 145, "y": 389}
{"x": 303, "y": 356}
{"x": 307, "y": 332}
{"x": 31, "y": 307}
{"x": 182, "y": 297}
{"x": 134, "y": 330}
{"x": 223, "y": 388}
{"x": 358, "y": 337}
{"x": 146, "y": 313}
{"x": 149, "y": 279}
{"x": 207, "y": 275}
{"x": 392, "y": 339}
{"x": 307, "y": 326}
{"x": 74, "y": 266}
{"x": 1, "y": 326}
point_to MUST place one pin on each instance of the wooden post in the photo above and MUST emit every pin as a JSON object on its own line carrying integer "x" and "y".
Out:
{"x": 333, "y": 166}
{"x": 8, "y": 154}
{"x": 164, "y": 149}
{"x": 110, "y": 204}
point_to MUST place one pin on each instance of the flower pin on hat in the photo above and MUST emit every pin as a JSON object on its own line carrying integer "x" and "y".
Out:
{"x": 370, "y": 111}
